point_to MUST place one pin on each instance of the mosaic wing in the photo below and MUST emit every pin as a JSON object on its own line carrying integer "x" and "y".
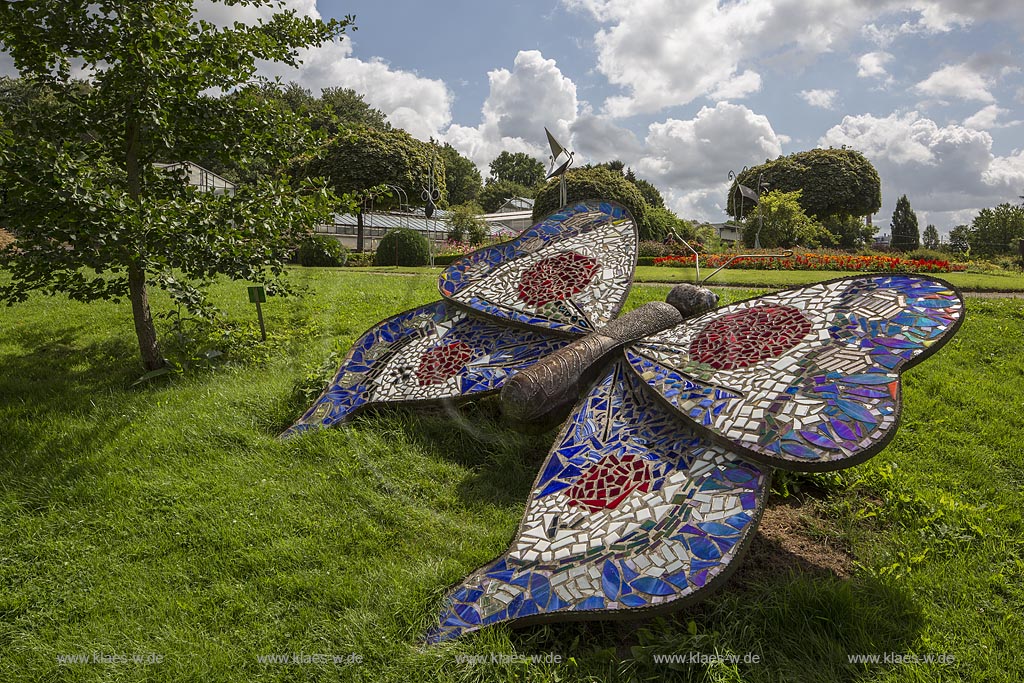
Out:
{"x": 433, "y": 352}
{"x": 570, "y": 273}
{"x": 805, "y": 379}
{"x": 632, "y": 511}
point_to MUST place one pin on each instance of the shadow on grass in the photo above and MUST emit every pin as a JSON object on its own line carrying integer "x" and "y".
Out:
{"x": 801, "y": 620}
{"x": 59, "y": 404}
{"x": 504, "y": 461}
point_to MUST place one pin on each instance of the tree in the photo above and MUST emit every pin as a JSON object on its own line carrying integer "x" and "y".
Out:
{"x": 930, "y": 239}
{"x": 850, "y": 231}
{"x": 344, "y": 107}
{"x": 650, "y": 193}
{"x": 780, "y": 221}
{"x": 905, "y": 236}
{"x": 362, "y": 160}
{"x": 94, "y": 218}
{"x": 497, "y": 193}
{"x": 662, "y": 223}
{"x": 833, "y": 182}
{"x": 467, "y": 224}
{"x": 959, "y": 240}
{"x": 517, "y": 167}
{"x": 996, "y": 231}
{"x": 594, "y": 183}
{"x": 461, "y": 176}
{"x": 335, "y": 109}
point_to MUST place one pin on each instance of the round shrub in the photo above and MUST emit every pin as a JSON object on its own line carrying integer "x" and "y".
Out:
{"x": 318, "y": 250}
{"x": 594, "y": 183}
{"x": 403, "y": 247}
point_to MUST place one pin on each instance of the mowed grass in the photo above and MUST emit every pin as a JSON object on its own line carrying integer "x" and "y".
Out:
{"x": 167, "y": 519}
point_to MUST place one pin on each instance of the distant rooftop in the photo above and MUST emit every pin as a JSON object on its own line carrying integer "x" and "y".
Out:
{"x": 516, "y": 204}
{"x": 204, "y": 179}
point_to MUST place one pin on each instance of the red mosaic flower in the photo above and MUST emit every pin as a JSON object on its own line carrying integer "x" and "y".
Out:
{"x": 556, "y": 278}
{"x": 746, "y": 337}
{"x": 442, "y": 362}
{"x": 605, "y": 485}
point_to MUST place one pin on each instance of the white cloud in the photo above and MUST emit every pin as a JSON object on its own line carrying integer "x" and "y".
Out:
{"x": 959, "y": 81}
{"x": 422, "y": 106}
{"x": 950, "y": 171}
{"x": 872, "y": 65}
{"x": 990, "y": 117}
{"x": 521, "y": 103}
{"x": 824, "y": 99}
{"x": 688, "y": 160}
{"x": 737, "y": 87}
{"x": 984, "y": 118}
{"x": 666, "y": 53}
{"x": 597, "y": 139}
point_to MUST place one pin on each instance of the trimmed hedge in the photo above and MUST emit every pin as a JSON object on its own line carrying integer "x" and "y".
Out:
{"x": 320, "y": 251}
{"x": 403, "y": 247}
{"x": 360, "y": 259}
{"x": 594, "y": 183}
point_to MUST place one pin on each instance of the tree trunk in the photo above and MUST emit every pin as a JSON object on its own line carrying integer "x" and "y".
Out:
{"x": 152, "y": 359}
{"x": 359, "y": 230}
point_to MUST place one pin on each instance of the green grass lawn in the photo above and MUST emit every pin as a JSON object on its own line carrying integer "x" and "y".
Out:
{"x": 166, "y": 519}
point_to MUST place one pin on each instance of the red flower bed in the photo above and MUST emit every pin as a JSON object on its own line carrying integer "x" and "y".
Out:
{"x": 817, "y": 261}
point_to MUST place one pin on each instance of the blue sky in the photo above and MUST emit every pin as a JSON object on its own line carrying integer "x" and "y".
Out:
{"x": 684, "y": 91}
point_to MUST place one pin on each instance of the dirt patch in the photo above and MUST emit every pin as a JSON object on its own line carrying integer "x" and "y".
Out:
{"x": 790, "y": 540}
{"x": 5, "y": 238}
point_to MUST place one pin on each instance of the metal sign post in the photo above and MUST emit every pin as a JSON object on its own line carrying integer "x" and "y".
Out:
{"x": 258, "y": 295}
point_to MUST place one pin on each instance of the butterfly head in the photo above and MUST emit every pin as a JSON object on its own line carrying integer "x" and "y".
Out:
{"x": 691, "y": 300}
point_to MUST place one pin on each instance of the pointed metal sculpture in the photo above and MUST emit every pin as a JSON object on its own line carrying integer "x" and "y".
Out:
{"x": 754, "y": 196}
{"x": 557, "y": 151}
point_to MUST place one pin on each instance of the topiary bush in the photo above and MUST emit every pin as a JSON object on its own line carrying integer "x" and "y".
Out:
{"x": 320, "y": 251}
{"x": 360, "y": 259}
{"x": 403, "y": 247}
{"x": 594, "y": 183}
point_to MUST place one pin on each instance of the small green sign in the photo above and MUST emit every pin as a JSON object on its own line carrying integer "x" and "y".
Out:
{"x": 257, "y": 295}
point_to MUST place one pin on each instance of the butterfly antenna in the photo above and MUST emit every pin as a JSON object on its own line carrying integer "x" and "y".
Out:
{"x": 696, "y": 254}
{"x": 786, "y": 254}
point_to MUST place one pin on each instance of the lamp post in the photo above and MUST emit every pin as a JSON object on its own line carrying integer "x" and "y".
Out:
{"x": 762, "y": 187}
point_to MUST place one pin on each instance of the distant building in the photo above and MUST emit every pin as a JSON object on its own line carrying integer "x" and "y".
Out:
{"x": 729, "y": 233}
{"x": 204, "y": 179}
{"x": 377, "y": 223}
{"x": 514, "y": 216}
{"x": 882, "y": 241}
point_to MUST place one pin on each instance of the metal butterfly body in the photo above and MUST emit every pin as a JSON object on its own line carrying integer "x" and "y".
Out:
{"x": 658, "y": 477}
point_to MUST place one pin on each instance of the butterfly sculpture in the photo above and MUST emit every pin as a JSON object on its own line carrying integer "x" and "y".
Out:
{"x": 658, "y": 477}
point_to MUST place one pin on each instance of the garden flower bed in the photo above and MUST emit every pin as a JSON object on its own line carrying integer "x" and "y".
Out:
{"x": 876, "y": 263}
